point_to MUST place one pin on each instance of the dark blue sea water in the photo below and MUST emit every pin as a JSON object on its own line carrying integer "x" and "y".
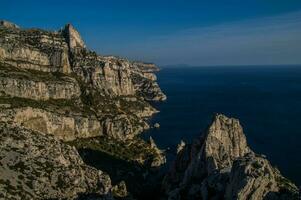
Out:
{"x": 266, "y": 99}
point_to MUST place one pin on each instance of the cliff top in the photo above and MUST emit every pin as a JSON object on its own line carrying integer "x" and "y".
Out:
{"x": 73, "y": 37}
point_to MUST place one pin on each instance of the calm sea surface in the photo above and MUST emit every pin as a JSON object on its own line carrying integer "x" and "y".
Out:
{"x": 266, "y": 100}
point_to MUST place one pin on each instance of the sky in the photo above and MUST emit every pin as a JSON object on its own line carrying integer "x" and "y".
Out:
{"x": 199, "y": 33}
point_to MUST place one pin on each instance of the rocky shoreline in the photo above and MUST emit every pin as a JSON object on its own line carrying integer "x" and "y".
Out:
{"x": 70, "y": 122}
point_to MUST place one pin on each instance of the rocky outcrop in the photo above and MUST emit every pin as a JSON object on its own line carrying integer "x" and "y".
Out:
{"x": 38, "y": 166}
{"x": 252, "y": 177}
{"x": 52, "y": 85}
{"x": 110, "y": 77}
{"x": 158, "y": 160}
{"x": 7, "y": 24}
{"x": 73, "y": 37}
{"x": 223, "y": 143}
{"x": 120, "y": 190}
{"x": 220, "y": 165}
{"x": 42, "y": 66}
{"x": 146, "y": 67}
{"x": 144, "y": 81}
{"x": 181, "y": 146}
{"x": 54, "y": 51}
{"x": 116, "y": 76}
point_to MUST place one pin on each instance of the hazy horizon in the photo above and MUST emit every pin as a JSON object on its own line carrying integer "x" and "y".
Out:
{"x": 233, "y": 65}
{"x": 203, "y": 33}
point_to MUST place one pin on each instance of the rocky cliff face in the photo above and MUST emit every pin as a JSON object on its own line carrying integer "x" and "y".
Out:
{"x": 220, "y": 165}
{"x": 73, "y": 37}
{"x": 62, "y": 126}
{"x": 31, "y": 171}
{"x": 52, "y": 85}
{"x": 31, "y": 85}
{"x": 46, "y": 66}
{"x": 252, "y": 176}
{"x": 34, "y": 49}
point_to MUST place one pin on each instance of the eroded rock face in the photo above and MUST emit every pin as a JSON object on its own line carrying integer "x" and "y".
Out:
{"x": 116, "y": 76}
{"x": 144, "y": 80}
{"x": 224, "y": 142}
{"x": 52, "y": 85}
{"x": 73, "y": 37}
{"x": 31, "y": 86}
{"x": 34, "y": 49}
{"x": 65, "y": 52}
{"x": 220, "y": 165}
{"x": 72, "y": 125}
{"x": 65, "y": 127}
{"x": 42, "y": 65}
{"x": 253, "y": 177}
{"x": 37, "y": 166}
{"x": 39, "y": 90}
{"x": 158, "y": 160}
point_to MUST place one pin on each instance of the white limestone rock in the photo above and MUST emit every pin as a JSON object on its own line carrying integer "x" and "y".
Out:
{"x": 220, "y": 165}
{"x": 37, "y": 166}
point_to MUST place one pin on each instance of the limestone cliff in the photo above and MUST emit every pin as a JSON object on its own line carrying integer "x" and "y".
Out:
{"x": 46, "y": 66}
{"x": 73, "y": 37}
{"x": 51, "y": 84}
{"x": 253, "y": 177}
{"x": 220, "y": 165}
{"x": 37, "y": 86}
{"x": 31, "y": 171}
{"x": 34, "y": 49}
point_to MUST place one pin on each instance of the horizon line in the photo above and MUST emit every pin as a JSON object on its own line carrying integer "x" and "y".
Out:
{"x": 229, "y": 65}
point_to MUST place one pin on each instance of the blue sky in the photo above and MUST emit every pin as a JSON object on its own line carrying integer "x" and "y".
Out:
{"x": 208, "y": 32}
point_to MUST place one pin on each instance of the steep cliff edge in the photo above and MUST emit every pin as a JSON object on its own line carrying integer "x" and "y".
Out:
{"x": 52, "y": 85}
{"x": 50, "y": 82}
{"x": 220, "y": 165}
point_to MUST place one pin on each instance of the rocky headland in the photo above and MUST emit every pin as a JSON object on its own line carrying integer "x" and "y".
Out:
{"x": 221, "y": 165}
{"x": 50, "y": 82}
{"x": 70, "y": 121}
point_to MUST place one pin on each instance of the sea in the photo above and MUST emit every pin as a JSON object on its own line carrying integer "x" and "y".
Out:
{"x": 266, "y": 100}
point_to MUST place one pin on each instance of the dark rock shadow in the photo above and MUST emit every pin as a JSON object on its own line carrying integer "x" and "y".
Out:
{"x": 142, "y": 183}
